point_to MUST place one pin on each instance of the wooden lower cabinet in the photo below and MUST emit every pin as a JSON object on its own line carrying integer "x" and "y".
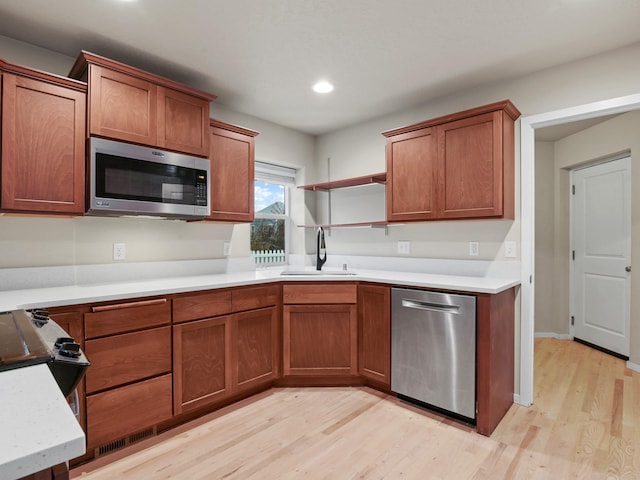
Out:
{"x": 320, "y": 339}
{"x": 254, "y": 348}
{"x": 201, "y": 362}
{"x": 221, "y": 356}
{"x": 114, "y": 414}
{"x": 495, "y": 358}
{"x": 320, "y": 329}
{"x": 374, "y": 333}
{"x": 120, "y": 359}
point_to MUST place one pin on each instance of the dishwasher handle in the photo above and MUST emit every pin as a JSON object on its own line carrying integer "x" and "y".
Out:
{"x": 434, "y": 307}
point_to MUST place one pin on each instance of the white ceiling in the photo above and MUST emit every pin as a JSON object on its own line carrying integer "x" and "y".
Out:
{"x": 261, "y": 56}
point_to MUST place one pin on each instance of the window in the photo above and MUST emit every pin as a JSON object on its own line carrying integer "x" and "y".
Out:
{"x": 270, "y": 229}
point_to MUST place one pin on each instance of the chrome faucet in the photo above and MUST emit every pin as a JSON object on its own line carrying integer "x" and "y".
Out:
{"x": 321, "y": 249}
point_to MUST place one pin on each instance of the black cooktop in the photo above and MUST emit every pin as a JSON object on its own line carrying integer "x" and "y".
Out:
{"x": 20, "y": 343}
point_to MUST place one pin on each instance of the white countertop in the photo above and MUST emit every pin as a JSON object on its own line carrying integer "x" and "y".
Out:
{"x": 39, "y": 429}
{"x": 91, "y": 293}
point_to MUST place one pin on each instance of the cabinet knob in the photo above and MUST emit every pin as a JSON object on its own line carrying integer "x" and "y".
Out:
{"x": 627, "y": 268}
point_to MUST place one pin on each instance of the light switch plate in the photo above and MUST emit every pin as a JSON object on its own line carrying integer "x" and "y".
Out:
{"x": 404, "y": 247}
{"x": 510, "y": 249}
{"x": 474, "y": 249}
{"x": 227, "y": 248}
{"x": 119, "y": 251}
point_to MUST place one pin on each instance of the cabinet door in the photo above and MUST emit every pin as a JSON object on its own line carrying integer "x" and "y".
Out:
{"x": 201, "y": 363}
{"x": 183, "y": 122}
{"x": 121, "y": 359}
{"x": 320, "y": 340}
{"x": 411, "y": 176}
{"x": 42, "y": 146}
{"x": 471, "y": 174}
{"x": 374, "y": 329}
{"x": 255, "y": 348}
{"x": 122, "y": 106}
{"x": 232, "y": 174}
{"x": 117, "y": 413}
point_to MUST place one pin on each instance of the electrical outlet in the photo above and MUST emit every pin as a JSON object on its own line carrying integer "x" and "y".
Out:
{"x": 510, "y": 249}
{"x": 474, "y": 249}
{"x": 226, "y": 248}
{"x": 119, "y": 251}
{"x": 404, "y": 247}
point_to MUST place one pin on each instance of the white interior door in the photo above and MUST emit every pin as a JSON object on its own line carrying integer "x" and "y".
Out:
{"x": 601, "y": 244}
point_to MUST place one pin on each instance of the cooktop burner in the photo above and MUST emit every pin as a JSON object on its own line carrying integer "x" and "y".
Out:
{"x": 20, "y": 343}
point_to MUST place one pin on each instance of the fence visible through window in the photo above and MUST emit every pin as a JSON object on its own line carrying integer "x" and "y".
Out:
{"x": 269, "y": 256}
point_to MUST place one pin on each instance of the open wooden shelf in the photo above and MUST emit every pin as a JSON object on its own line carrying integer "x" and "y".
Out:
{"x": 348, "y": 182}
{"x": 380, "y": 223}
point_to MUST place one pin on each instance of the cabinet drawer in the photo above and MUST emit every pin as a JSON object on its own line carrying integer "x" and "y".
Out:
{"x": 117, "y": 413}
{"x": 319, "y": 293}
{"x": 126, "y": 317}
{"x": 128, "y": 357}
{"x": 254, "y": 297}
{"x": 204, "y": 305}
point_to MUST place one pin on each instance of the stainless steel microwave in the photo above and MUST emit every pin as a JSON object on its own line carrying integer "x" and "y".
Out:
{"x": 128, "y": 179}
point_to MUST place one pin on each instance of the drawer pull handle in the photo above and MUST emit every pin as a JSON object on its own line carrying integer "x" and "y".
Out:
{"x": 142, "y": 303}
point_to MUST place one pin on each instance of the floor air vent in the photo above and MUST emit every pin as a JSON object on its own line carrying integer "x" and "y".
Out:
{"x": 123, "y": 442}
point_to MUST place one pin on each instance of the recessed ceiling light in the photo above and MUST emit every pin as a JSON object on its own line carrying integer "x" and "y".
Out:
{"x": 323, "y": 87}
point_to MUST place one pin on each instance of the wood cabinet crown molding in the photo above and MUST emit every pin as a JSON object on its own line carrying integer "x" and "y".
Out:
{"x": 44, "y": 76}
{"x": 233, "y": 128}
{"x": 504, "y": 105}
{"x": 79, "y": 70}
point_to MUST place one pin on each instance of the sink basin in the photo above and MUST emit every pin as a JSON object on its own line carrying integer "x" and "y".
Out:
{"x": 317, "y": 272}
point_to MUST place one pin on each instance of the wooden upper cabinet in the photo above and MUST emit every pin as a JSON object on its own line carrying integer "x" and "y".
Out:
{"x": 472, "y": 168}
{"x": 232, "y": 172}
{"x": 181, "y": 118}
{"x": 129, "y": 104}
{"x": 43, "y": 149}
{"x": 122, "y": 106}
{"x": 457, "y": 166}
{"x": 412, "y": 168}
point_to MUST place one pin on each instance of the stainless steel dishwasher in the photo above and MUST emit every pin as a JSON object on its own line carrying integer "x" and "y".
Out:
{"x": 433, "y": 349}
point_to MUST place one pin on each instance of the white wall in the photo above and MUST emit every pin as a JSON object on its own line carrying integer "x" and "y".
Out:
{"x": 544, "y": 228}
{"x": 36, "y": 241}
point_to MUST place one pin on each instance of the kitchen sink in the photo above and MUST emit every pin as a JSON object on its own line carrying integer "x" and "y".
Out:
{"x": 317, "y": 272}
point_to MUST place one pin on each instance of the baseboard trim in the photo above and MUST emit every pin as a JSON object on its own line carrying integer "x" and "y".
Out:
{"x": 633, "y": 366}
{"x": 558, "y": 336}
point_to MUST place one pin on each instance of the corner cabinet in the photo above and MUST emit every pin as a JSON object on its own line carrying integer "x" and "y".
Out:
{"x": 232, "y": 154}
{"x": 43, "y": 148}
{"x": 129, "y": 104}
{"x": 460, "y": 166}
{"x": 320, "y": 331}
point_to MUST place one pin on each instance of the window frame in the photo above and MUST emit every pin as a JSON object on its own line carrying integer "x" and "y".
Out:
{"x": 277, "y": 175}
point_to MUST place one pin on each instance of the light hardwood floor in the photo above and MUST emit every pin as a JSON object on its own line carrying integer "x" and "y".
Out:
{"x": 585, "y": 423}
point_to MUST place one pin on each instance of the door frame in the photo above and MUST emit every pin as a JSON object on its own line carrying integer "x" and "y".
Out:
{"x": 528, "y": 124}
